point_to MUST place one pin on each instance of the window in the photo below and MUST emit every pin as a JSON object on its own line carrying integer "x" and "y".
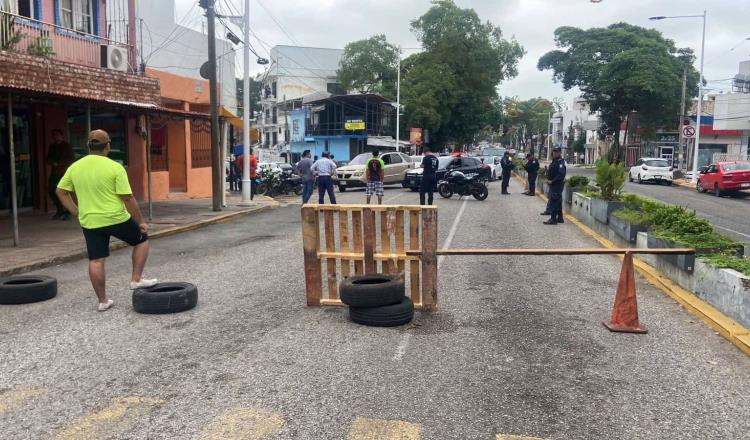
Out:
{"x": 395, "y": 158}
{"x": 76, "y": 15}
{"x": 26, "y": 8}
{"x": 200, "y": 143}
{"x": 386, "y": 159}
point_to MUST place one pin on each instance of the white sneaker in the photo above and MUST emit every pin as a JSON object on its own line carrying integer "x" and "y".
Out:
{"x": 143, "y": 283}
{"x": 103, "y": 307}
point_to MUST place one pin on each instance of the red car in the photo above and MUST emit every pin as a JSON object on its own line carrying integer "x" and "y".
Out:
{"x": 723, "y": 177}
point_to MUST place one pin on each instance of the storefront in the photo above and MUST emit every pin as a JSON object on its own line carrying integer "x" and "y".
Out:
{"x": 23, "y": 161}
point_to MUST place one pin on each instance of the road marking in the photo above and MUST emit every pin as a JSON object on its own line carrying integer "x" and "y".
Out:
{"x": 377, "y": 429}
{"x": 11, "y": 398}
{"x": 390, "y": 199}
{"x": 120, "y": 416}
{"x": 401, "y": 349}
{"x": 732, "y": 231}
{"x": 452, "y": 232}
{"x": 516, "y": 437}
{"x": 244, "y": 424}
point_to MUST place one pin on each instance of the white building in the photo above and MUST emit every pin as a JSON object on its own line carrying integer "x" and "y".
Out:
{"x": 175, "y": 47}
{"x": 294, "y": 72}
{"x": 577, "y": 118}
{"x": 732, "y": 112}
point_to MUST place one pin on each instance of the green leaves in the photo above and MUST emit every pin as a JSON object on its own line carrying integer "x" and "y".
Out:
{"x": 370, "y": 66}
{"x": 610, "y": 178}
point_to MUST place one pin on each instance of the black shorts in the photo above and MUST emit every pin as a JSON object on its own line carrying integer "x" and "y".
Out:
{"x": 97, "y": 240}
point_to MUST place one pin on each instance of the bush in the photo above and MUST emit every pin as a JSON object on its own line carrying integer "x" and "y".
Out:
{"x": 577, "y": 182}
{"x": 727, "y": 261}
{"x": 610, "y": 178}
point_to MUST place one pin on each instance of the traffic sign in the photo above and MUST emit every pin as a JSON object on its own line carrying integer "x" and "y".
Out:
{"x": 688, "y": 131}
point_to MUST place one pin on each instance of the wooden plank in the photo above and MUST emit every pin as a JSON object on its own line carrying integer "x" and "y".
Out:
{"x": 387, "y": 226}
{"x": 333, "y": 288}
{"x": 368, "y": 237}
{"x": 400, "y": 246}
{"x": 562, "y": 251}
{"x": 357, "y": 238}
{"x": 361, "y": 207}
{"x": 429, "y": 260}
{"x": 338, "y": 303}
{"x": 344, "y": 239}
{"x": 353, "y": 256}
{"x": 414, "y": 278}
{"x": 310, "y": 245}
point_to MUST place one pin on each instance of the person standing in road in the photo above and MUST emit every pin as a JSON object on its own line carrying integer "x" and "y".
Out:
{"x": 556, "y": 181}
{"x": 106, "y": 207}
{"x": 507, "y": 165}
{"x": 325, "y": 169}
{"x": 304, "y": 168}
{"x": 253, "y": 171}
{"x": 375, "y": 174}
{"x": 430, "y": 166}
{"x": 59, "y": 157}
{"x": 532, "y": 169}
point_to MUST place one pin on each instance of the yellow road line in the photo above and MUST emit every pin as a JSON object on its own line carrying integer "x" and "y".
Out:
{"x": 120, "y": 416}
{"x": 11, "y": 398}
{"x": 727, "y": 327}
{"x": 516, "y": 437}
{"x": 376, "y": 429}
{"x": 244, "y": 424}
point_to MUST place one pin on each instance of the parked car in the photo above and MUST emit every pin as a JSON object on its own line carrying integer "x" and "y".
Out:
{"x": 353, "y": 174}
{"x": 413, "y": 178}
{"x": 651, "y": 169}
{"x": 723, "y": 177}
{"x": 494, "y": 163}
{"x": 416, "y": 161}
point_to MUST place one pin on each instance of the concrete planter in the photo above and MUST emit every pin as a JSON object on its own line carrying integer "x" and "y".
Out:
{"x": 601, "y": 209}
{"x": 725, "y": 289}
{"x": 684, "y": 262}
{"x": 568, "y": 193}
{"x": 624, "y": 229}
{"x": 581, "y": 208}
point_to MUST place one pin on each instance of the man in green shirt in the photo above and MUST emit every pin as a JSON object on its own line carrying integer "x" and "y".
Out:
{"x": 106, "y": 207}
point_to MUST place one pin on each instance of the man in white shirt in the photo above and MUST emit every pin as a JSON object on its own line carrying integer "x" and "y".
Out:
{"x": 325, "y": 169}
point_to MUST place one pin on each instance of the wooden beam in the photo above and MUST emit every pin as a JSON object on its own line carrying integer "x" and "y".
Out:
{"x": 429, "y": 259}
{"x": 310, "y": 245}
{"x": 359, "y": 267}
{"x": 368, "y": 237}
{"x": 360, "y": 256}
{"x": 333, "y": 288}
{"x": 344, "y": 238}
{"x": 414, "y": 278}
{"x": 400, "y": 265}
{"x": 563, "y": 251}
{"x": 362, "y": 207}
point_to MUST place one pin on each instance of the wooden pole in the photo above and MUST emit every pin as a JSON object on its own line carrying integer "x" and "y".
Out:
{"x": 148, "y": 167}
{"x": 311, "y": 244}
{"x": 368, "y": 223}
{"x": 429, "y": 259}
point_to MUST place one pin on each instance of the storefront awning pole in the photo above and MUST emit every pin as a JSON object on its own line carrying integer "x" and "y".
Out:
{"x": 224, "y": 139}
{"x": 11, "y": 150}
{"x": 148, "y": 166}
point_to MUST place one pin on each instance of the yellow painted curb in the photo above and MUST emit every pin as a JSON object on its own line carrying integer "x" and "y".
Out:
{"x": 727, "y": 327}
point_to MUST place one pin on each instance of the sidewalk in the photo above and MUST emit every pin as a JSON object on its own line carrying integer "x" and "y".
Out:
{"x": 44, "y": 242}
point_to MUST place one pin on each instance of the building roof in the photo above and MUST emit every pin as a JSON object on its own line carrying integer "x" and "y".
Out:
{"x": 370, "y": 97}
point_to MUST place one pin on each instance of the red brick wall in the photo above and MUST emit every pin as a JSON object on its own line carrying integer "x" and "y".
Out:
{"x": 37, "y": 74}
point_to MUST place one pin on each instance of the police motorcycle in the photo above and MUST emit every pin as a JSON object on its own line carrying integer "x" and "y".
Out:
{"x": 278, "y": 182}
{"x": 463, "y": 184}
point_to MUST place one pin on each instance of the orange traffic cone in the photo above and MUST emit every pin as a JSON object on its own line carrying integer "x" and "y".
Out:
{"x": 625, "y": 312}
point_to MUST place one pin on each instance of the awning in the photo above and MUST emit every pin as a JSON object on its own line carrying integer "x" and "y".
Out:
{"x": 232, "y": 118}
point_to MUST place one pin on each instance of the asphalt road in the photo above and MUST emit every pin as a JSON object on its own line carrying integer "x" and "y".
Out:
{"x": 516, "y": 348}
{"x": 730, "y": 215}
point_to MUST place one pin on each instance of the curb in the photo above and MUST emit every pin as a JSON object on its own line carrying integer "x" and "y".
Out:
{"x": 727, "y": 327}
{"x": 77, "y": 255}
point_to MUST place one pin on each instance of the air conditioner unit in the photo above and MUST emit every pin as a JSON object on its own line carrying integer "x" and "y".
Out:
{"x": 115, "y": 57}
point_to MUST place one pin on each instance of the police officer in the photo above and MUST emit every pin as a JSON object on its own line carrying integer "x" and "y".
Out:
{"x": 532, "y": 169}
{"x": 430, "y": 165}
{"x": 507, "y": 165}
{"x": 556, "y": 181}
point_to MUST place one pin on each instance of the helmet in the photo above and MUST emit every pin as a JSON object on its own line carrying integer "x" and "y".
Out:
{"x": 457, "y": 176}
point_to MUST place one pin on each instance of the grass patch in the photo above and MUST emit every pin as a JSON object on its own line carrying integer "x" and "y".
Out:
{"x": 726, "y": 261}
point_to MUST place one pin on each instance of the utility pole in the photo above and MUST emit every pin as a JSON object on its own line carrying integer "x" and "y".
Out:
{"x": 680, "y": 158}
{"x": 246, "y": 108}
{"x": 217, "y": 169}
{"x": 398, "y": 101}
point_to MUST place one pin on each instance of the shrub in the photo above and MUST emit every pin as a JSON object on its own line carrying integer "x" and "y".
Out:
{"x": 577, "y": 182}
{"x": 610, "y": 178}
{"x": 727, "y": 261}
{"x": 633, "y": 216}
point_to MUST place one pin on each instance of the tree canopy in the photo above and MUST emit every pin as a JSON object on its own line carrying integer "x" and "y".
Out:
{"x": 370, "y": 66}
{"x": 621, "y": 69}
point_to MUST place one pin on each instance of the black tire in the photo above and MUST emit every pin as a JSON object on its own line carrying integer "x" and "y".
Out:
{"x": 387, "y": 316}
{"x": 342, "y": 188}
{"x": 27, "y": 289}
{"x": 640, "y": 182}
{"x": 445, "y": 191}
{"x": 480, "y": 193}
{"x": 717, "y": 190}
{"x": 165, "y": 298}
{"x": 298, "y": 190}
{"x": 262, "y": 188}
{"x": 699, "y": 187}
{"x": 630, "y": 178}
{"x": 372, "y": 290}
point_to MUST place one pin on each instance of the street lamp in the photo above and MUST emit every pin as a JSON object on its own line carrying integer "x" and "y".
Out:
{"x": 700, "y": 89}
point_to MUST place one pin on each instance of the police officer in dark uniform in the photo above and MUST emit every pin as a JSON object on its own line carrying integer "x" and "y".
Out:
{"x": 507, "y": 165}
{"x": 430, "y": 165}
{"x": 556, "y": 181}
{"x": 532, "y": 169}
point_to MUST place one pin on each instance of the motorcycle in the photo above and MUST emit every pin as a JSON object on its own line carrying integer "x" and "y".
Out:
{"x": 456, "y": 182}
{"x": 276, "y": 183}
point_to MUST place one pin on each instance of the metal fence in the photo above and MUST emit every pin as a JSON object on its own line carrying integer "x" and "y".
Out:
{"x": 725, "y": 157}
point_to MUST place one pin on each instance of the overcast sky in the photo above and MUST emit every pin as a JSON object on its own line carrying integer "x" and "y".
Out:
{"x": 334, "y": 23}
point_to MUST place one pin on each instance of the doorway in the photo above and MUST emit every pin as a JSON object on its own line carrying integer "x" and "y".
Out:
{"x": 24, "y": 168}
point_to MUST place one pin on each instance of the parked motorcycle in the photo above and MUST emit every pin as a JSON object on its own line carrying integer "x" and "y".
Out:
{"x": 276, "y": 183}
{"x": 469, "y": 184}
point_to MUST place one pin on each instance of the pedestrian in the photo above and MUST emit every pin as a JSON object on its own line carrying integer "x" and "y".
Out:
{"x": 556, "y": 181}
{"x": 325, "y": 169}
{"x": 232, "y": 173}
{"x": 59, "y": 157}
{"x": 430, "y": 166}
{"x": 532, "y": 170}
{"x": 375, "y": 174}
{"x": 106, "y": 207}
{"x": 304, "y": 169}
{"x": 507, "y": 166}
{"x": 253, "y": 171}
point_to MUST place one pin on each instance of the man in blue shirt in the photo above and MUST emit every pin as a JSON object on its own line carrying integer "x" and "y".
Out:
{"x": 325, "y": 170}
{"x": 556, "y": 181}
{"x": 304, "y": 168}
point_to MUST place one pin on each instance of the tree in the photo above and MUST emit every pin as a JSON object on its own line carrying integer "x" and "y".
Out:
{"x": 622, "y": 69}
{"x": 532, "y": 114}
{"x": 255, "y": 87}
{"x": 370, "y": 66}
{"x": 451, "y": 87}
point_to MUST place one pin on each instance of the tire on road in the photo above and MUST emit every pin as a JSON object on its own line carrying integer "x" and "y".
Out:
{"x": 387, "y": 316}
{"x": 372, "y": 290}
{"x": 27, "y": 289}
{"x": 481, "y": 193}
{"x": 717, "y": 190}
{"x": 445, "y": 191}
{"x": 699, "y": 187}
{"x": 165, "y": 298}
{"x": 342, "y": 188}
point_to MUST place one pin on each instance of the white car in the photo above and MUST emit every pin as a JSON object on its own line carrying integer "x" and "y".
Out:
{"x": 416, "y": 161}
{"x": 651, "y": 169}
{"x": 494, "y": 163}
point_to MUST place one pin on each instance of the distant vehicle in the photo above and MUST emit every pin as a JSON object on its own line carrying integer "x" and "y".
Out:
{"x": 413, "y": 178}
{"x": 353, "y": 174}
{"x": 724, "y": 177}
{"x": 494, "y": 164}
{"x": 651, "y": 169}
{"x": 494, "y": 151}
{"x": 416, "y": 161}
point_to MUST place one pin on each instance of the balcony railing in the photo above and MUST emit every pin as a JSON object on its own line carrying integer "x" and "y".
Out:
{"x": 22, "y": 34}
